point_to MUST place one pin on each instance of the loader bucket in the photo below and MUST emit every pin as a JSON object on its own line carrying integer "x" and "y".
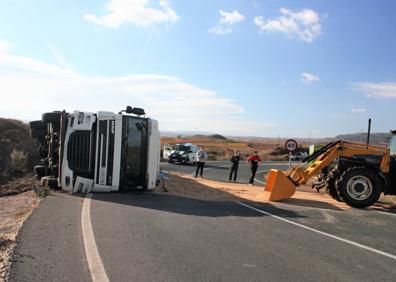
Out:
{"x": 280, "y": 186}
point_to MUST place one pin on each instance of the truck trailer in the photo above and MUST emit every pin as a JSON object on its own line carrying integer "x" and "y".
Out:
{"x": 97, "y": 152}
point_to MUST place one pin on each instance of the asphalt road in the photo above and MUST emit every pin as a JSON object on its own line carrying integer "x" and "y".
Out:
{"x": 220, "y": 170}
{"x": 159, "y": 237}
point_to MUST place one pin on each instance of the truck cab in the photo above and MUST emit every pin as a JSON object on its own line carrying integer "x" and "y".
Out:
{"x": 105, "y": 151}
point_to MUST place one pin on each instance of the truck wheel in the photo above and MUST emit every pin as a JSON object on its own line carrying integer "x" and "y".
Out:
{"x": 37, "y": 124}
{"x": 359, "y": 187}
{"x": 331, "y": 185}
{"x": 53, "y": 117}
{"x": 39, "y": 171}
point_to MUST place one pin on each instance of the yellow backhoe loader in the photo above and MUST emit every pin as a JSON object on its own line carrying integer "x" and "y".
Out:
{"x": 353, "y": 173}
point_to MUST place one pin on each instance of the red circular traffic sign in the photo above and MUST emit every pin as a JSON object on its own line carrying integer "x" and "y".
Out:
{"x": 291, "y": 145}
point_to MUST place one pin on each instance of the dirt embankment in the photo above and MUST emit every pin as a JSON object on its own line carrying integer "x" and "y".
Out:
{"x": 14, "y": 210}
{"x": 15, "y": 136}
{"x": 17, "y": 185}
{"x": 18, "y": 154}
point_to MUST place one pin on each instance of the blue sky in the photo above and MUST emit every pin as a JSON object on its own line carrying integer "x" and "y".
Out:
{"x": 263, "y": 68}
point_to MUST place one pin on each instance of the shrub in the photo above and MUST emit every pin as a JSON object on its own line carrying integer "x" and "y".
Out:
{"x": 19, "y": 159}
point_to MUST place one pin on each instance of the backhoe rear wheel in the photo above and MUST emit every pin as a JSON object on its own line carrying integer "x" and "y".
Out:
{"x": 359, "y": 187}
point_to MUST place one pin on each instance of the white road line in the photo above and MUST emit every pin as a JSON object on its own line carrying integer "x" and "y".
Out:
{"x": 95, "y": 264}
{"x": 382, "y": 212}
{"x": 329, "y": 218}
{"x": 259, "y": 181}
{"x": 321, "y": 232}
{"x": 264, "y": 170}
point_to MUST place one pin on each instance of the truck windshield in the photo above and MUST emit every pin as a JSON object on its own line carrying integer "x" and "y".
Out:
{"x": 134, "y": 152}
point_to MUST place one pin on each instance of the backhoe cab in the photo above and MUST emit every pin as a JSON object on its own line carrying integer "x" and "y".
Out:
{"x": 353, "y": 173}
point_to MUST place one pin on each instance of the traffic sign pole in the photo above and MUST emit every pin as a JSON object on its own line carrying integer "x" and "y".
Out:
{"x": 290, "y": 145}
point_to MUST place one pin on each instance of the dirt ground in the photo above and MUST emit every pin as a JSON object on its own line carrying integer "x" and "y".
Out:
{"x": 14, "y": 210}
{"x": 17, "y": 186}
{"x": 204, "y": 189}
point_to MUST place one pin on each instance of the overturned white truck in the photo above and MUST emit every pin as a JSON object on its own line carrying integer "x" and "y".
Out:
{"x": 98, "y": 152}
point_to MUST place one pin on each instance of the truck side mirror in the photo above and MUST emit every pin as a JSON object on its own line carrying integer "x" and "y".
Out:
{"x": 129, "y": 110}
{"x": 138, "y": 111}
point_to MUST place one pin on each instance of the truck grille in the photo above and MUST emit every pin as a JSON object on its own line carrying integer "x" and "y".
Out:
{"x": 79, "y": 152}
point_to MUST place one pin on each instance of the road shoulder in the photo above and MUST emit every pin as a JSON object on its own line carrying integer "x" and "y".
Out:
{"x": 50, "y": 244}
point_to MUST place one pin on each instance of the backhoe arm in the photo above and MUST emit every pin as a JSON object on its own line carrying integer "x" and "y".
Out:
{"x": 283, "y": 186}
{"x": 323, "y": 158}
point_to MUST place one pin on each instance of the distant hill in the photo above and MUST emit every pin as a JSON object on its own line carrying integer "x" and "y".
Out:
{"x": 182, "y": 133}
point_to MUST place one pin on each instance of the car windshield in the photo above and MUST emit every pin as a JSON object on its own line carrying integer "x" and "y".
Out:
{"x": 182, "y": 148}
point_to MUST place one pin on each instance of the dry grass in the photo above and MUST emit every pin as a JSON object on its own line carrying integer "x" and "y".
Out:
{"x": 17, "y": 186}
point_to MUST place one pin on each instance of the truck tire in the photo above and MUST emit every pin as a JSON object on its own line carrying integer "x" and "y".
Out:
{"x": 50, "y": 182}
{"x": 39, "y": 171}
{"x": 359, "y": 187}
{"x": 53, "y": 117}
{"x": 38, "y": 133}
{"x": 331, "y": 185}
{"x": 37, "y": 124}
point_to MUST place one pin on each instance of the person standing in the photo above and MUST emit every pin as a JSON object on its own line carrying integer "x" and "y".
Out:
{"x": 254, "y": 162}
{"x": 234, "y": 166}
{"x": 201, "y": 157}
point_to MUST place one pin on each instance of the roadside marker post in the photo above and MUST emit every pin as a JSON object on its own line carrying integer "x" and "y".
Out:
{"x": 290, "y": 145}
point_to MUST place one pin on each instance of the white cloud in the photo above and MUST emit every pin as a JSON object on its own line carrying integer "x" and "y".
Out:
{"x": 29, "y": 87}
{"x": 219, "y": 29}
{"x": 358, "y": 110}
{"x": 304, "y": 24}
{"x": 230, "y": 18}
{"x": 376, "y": 89}
{"x": 227, "y": 20}
{"x": 4, "y": 46}
{"x": 307, "y": 77}
{"x": 136, "y": 12}
{"x": 58, "y": 56}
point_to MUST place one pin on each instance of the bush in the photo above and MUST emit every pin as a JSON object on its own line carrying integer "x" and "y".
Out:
{"x": 14, "y": 135}
{"x": 19, "y": 160}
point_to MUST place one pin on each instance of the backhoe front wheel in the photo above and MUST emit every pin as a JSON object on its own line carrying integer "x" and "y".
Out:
{"x": 331, "y": 185}
{"x": 359, "y": 187}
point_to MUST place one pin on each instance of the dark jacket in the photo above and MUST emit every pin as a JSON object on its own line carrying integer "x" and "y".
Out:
{"x": 235, "y": 160}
